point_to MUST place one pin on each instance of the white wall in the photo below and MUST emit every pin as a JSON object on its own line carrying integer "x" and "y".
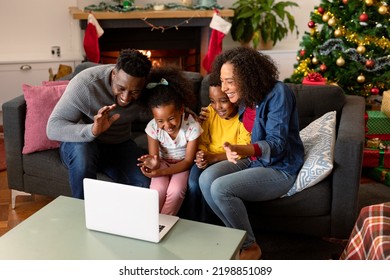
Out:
{"x": 40, "y": 24}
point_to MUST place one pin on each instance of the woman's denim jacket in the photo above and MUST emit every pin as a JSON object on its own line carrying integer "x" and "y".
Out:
{"x": 276, "y": 131}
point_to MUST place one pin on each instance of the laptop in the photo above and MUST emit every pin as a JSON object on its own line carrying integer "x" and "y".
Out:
{"x": 125, "y": 210}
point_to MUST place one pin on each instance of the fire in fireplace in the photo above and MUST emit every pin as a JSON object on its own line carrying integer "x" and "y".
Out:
{"x": 177, "y": 47}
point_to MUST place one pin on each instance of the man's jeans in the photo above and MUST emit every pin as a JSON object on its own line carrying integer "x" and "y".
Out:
{"x": 117, "y": 161}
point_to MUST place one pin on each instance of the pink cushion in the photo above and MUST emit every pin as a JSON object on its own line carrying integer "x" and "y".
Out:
{"x": 55, "y": 83}
{"x": 40, "y": 102}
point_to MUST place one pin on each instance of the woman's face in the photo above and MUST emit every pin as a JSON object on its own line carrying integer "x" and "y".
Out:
{"x": 228, "y": 85}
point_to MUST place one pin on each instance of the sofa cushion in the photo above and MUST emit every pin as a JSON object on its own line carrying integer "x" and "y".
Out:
{"x": 318, "y": 140}
{"x": 40, "y": 101}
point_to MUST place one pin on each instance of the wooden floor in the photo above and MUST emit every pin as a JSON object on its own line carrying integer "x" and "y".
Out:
{"x": 25, "y": 206}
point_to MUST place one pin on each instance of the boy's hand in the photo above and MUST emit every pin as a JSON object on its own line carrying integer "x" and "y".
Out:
{"x": 204, "y": 114}
{"x": 231, "y": 154}
{"x": 201, "y": 159}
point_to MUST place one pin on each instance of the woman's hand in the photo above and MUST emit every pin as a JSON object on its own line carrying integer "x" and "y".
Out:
{"x": 231, "y": 152}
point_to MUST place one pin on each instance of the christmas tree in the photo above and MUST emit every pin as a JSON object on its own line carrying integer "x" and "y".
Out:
{"x": 348, "y": 44}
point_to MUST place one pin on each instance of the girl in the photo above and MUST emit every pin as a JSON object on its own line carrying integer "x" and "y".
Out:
{"x": 172, "y": 139}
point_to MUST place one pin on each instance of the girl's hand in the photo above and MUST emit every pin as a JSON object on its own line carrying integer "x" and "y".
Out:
{"x": 231, "y": 154}
{"x": 204, "y": 114}
{"x": 201, "y": 159}
{"x": 149, "y": 162}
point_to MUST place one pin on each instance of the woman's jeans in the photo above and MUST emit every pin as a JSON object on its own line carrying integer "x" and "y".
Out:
{"x": 117, "y": 161}
{"x": 226, "y": 186}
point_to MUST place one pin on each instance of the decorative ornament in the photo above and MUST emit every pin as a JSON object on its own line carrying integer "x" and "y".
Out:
{"x": 361, "y": 79}
{"x": 340, "y": 61}
{"x": 370, "y": 63}
{"x": 311, "y": 24}
{"x": 321, "y": 10}
{"x": 302, "y": 53}
{"x": 338, "y": 33}
{"x": 374, "y": 91}
{"x": 314, "y": 60}
{"x": 369, "y": 2}
{"x": 332, "y": 21}
{"x": 382, "y": 10}
{"x": 298, "y": 58}
{"x": 345, "y": 2}
{"x": 323, "y": 67}
{"x": 361, "y": 49}
{"x": 325, "y": 17}
{"x": 363, "y": 17}
{"x": 314, "y": 77}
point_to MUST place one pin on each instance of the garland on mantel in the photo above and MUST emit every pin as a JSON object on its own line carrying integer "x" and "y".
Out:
{"x": 104, "y": 7}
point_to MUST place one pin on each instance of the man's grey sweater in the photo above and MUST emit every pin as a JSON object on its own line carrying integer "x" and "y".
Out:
{"x": 73, "y": 116}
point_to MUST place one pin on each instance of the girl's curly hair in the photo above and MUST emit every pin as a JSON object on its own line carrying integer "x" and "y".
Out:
{"x": 255, "y": 73}
{"x": 178, "y": 91}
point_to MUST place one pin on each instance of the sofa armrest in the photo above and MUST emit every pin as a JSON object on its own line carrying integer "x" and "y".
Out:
{"x": 14, "y": 115}
{"x": 348, "y": 157}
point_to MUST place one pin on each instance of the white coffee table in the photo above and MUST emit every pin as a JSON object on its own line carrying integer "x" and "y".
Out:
{"x": 58, "y": 232}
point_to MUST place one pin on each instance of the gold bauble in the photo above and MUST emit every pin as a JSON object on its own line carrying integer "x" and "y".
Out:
{"x": 332, "y": 21}
{"x": 382, "y": 10}
{"x": 325, "y": 17}
{"x": 314, "y": 60}
{"x": 369, "y": 2}
{"x": 340, "y": 61}
{"x": 361, "y": 49}
{"x": 361, "y": 78}
{"x": 338, "y": 33}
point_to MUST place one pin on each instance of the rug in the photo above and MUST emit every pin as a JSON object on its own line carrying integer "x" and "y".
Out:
{"x": 3, "y": 163}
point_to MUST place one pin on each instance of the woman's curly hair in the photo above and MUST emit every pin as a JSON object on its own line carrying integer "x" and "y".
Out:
{"x": 255, "y": 73}
{"x": 178, "y": 91}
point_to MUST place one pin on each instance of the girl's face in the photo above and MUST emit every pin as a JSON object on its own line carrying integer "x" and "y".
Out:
{"x": 221, "y": 103}
{"x": 168, "y": 118}
{"x": 228, "y": 85}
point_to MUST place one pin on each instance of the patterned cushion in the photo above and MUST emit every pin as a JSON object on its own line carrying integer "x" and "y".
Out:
{"x": 318, "y": 140}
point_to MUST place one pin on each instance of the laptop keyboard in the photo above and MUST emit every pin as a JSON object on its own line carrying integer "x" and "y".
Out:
{"x": 161, "y": 227}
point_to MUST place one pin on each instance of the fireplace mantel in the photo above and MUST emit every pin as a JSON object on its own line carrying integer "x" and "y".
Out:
{"x": 81, "y": 15}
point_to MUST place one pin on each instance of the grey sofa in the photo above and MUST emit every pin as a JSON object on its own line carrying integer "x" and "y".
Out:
{"x": 328, "y": 209}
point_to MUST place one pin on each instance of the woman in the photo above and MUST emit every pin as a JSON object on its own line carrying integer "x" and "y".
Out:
{"x": 267, "y": 108}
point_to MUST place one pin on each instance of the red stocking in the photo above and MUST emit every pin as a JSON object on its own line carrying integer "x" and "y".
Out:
{"x": 91, "y": 43}
{"x": 215, "y": 48}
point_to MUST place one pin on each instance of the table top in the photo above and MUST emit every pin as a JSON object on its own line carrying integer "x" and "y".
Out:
{"x": 58, "y": 232}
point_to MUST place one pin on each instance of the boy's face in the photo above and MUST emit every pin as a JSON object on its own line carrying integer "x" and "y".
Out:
{"x": 221, "y": 103}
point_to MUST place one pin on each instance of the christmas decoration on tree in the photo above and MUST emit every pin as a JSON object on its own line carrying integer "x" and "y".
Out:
{"x": 348, "y": 44}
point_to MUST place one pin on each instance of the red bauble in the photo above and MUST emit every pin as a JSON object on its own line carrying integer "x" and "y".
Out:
{"x": 302, "y": 53}
{"x": 323, "y": 67}
{"x": 321, "y": 10}
{"x": 363, "y": 17}
{"x": 370, "y": 63}
{"x": 311, "y": 24}
{"x": 375, "y": 91}
{"x": 345, "y": 2}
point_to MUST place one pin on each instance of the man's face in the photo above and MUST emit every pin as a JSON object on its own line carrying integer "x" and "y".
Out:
{"x": 126, "y": 88}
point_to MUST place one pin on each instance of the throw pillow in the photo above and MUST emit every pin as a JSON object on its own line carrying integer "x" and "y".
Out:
{"x": 318, "y": 140}
{"x": 55, "y": 83}
{"x": 40, "y": 101}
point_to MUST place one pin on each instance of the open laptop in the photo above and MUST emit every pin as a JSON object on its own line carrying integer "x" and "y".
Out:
{"x": 125, "y": 210}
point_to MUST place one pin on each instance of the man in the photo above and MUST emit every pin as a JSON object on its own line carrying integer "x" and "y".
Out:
{"x": 92, "y": 120}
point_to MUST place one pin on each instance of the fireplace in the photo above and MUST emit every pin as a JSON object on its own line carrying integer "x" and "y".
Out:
{"x": 177, "y": 37}
{"x": 180, "y": 48}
